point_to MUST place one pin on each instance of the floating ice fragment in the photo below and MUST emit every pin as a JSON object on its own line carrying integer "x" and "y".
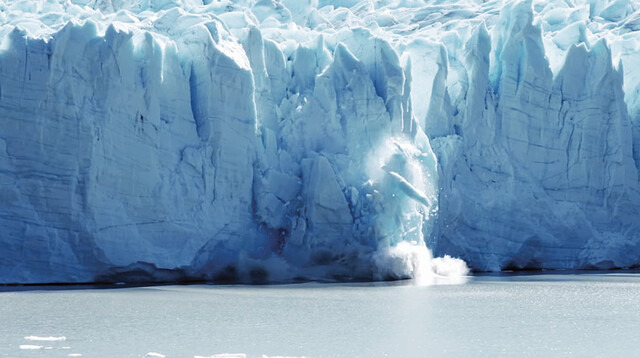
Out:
{"x": 29, "y": 346}
{"x": 155, "y": 354}
{"x": 46, "y": 339}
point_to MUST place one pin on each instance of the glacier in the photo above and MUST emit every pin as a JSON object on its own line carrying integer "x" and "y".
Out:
{"x": 278, "y": 140}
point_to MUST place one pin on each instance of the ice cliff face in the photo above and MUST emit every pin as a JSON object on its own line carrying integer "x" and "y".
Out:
{"x": 275, "y": 140}
{"x": 551, "y": 179}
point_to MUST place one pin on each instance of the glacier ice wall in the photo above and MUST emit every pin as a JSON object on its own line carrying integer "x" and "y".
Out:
{"x": 276, "y": 140}
{"x": 551, "y": 178}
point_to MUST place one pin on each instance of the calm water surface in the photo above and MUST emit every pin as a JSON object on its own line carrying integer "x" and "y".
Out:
{"x": 538, "y": 315}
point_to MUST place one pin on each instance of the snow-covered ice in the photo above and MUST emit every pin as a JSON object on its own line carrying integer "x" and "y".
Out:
{"x": 272, "y": 140}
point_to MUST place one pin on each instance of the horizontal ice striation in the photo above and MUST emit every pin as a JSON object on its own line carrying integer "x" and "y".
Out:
{"x": 274, "y": 140}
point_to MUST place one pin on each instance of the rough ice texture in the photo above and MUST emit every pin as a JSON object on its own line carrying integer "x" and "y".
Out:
{"x": 274, "y": 140}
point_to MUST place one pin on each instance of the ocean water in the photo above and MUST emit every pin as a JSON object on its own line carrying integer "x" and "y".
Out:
{"x": 521, "y": 315}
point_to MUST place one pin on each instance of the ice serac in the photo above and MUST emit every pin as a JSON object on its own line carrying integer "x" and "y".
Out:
{"x": 278, "y": 140}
